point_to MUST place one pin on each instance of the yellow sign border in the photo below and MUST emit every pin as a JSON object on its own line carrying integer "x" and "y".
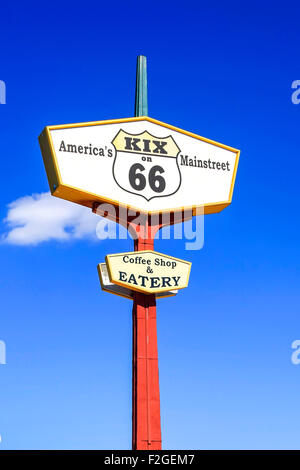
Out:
{"x": 145, "y": 290}
{"x": 105, "y": 289}
{"x": 59, "y": 189}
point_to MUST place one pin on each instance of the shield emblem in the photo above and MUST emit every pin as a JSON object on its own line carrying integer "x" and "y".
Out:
{"x": 146, "y": 165}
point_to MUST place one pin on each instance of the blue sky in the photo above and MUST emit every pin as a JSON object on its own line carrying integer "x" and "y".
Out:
{"x": 223, "y": 71}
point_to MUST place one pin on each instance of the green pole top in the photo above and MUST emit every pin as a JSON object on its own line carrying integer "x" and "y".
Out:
{"x": 141, "y": 98}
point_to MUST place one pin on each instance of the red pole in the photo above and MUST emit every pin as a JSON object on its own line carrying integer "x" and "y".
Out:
{"x": 146, "y": 433}
{"x": 146, "y": 430}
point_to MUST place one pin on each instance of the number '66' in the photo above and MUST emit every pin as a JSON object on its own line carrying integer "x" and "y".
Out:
{"x": 138, "y": 180}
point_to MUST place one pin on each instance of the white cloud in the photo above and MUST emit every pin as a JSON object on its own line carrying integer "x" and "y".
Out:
{"x": 41, "y": 217}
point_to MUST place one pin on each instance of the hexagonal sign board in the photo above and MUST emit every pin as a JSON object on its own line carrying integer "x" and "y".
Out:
{"x": 138, "y": 163}
{"x": 148, "y": 271}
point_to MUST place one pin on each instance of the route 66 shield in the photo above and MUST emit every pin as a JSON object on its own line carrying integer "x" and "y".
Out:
{"x": 146, "y": 165}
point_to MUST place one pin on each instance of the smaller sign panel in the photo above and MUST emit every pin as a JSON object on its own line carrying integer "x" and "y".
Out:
{"x": 148, "y": 271}
{"x": 112, "y": 288}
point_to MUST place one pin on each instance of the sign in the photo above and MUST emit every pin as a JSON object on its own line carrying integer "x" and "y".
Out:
{"x": 112, "y": 288}
{"x": 138, "y": 163}
{"x": 148, "y": 271}
{"x": 143, "y": 177}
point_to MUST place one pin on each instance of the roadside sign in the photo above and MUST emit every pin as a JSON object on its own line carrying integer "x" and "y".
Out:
{"x": 138, "y": 163}
{"x": 148, "y": 271}
{"x": 112, "y": 288}
{"x": 147, "y": 167}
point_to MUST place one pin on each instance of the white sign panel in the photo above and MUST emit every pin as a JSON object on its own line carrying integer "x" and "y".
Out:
{"x": 139, "y": 163}
{"x": 148, "y": 271}
{"x": 122, "y": 291}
